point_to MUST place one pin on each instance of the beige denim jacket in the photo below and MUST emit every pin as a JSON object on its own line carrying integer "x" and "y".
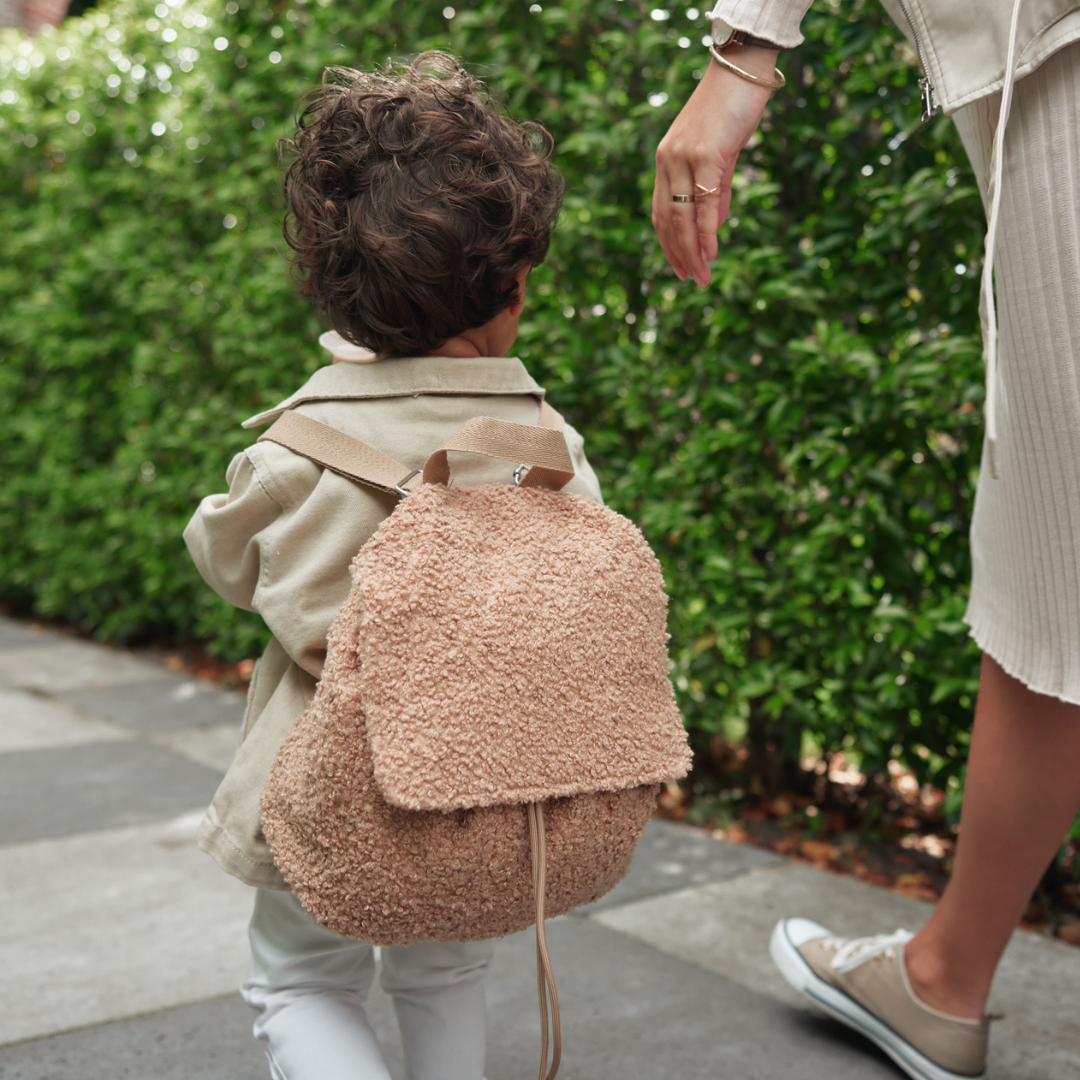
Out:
{"x": 962, "y": 44}
{"x": 281, "y": 540}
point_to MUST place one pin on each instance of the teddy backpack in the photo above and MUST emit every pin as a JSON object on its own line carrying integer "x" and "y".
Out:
{"x": 495, "y": 711}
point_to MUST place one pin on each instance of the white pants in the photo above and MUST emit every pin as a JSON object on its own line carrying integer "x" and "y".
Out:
{"x": 310, "y": 986}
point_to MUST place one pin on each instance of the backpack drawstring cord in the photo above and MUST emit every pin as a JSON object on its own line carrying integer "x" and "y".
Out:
{"x": 987, "y": 305}
{"x": 545, "y": 976}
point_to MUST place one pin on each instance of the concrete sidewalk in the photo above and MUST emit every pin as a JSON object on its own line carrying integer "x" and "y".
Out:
{"x": 121, "y": 945}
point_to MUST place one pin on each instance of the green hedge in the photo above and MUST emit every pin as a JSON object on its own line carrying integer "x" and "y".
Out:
{"x": 799, "y": 441}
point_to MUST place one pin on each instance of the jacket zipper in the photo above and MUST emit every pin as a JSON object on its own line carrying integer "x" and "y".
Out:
{"x": 930, "y": 104}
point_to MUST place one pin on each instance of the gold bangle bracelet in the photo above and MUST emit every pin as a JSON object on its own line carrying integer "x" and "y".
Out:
{"x": 776, "y": 84}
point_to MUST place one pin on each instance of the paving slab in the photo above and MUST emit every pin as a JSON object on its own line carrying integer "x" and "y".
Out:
{"x": 30, "y": 722}
{"x": 18, "y": 635}
{"x": 113, "y": 924}
{"x": 629, "y": 1013}
{"x": 162, "y": 701}
{"x": 671, "y": 856}
{"x": 210, "y": 1040}
{"x": 54, "y": 665}
{"x": 725, "y": 928}
{"x": 76, "y": 789}
{"x": 212, "y": 746}
{"x": 632, "y": 1013}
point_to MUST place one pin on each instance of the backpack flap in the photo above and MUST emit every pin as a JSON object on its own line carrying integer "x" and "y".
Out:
{"x": 512, "y": 648}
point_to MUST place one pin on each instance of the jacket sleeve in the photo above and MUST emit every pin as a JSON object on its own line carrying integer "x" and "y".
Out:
{"x": 222, "y": 537}
{"x": 773, "y": 20}
{"x": 281, "y": 541}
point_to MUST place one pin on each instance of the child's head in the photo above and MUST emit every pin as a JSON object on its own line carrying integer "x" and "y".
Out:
{"x": 413, "y": 204}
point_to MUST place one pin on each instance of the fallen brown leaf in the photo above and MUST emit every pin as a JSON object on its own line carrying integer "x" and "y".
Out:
{"x": 1070, "y": 932}
{"x": 915, "y": 880}
{"x": 818, "y": 851}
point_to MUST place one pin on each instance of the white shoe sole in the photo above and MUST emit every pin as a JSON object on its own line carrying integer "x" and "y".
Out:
{"x": 838, "y": 1005}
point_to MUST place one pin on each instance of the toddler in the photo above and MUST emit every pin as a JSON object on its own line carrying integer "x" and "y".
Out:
{"x": 415, "y": 211}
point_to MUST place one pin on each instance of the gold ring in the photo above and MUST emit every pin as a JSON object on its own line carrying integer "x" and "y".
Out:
{"x": 682, "y": 198}
{"x": 706, "y": 191}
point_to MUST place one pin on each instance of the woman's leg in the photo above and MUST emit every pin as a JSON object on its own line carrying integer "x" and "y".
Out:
{"x": 1023, "y": 778}
{"x": 310, "y": 986}
{"x": 438, "y": 992}
{"x": 1021, "y": 796}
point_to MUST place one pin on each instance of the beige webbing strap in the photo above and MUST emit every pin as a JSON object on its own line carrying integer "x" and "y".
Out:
{"x": 545, "y": 976}
{"x": 542, "y": 449}
{"x": 339, "y": 452}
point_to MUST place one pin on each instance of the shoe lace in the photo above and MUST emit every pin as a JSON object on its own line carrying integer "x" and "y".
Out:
{"x": 850, "y": 954}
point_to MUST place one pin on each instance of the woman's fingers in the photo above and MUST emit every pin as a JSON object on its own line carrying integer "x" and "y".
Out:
{"x": 664, "y": 221}
{"x": 701, "y": 148}
{"x": 712, "y": 212}
{"x": 675, "y": 221}
{"x": 687, "y": 228}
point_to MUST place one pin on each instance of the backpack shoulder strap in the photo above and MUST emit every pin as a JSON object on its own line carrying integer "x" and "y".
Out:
{"x": 340, "y": 453}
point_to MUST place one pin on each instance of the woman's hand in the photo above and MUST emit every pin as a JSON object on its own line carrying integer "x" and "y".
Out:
{"x": 702, "y": 147}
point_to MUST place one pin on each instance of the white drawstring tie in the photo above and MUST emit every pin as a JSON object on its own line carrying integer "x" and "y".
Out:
{"x": 851, "y": 954}
{"x": 987, "y": 309}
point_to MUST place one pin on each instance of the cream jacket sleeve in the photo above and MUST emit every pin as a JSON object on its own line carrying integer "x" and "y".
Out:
{"x": 773, "y": 20}
{"x": 221, "y": 537}
{"x": 281, "y": 541}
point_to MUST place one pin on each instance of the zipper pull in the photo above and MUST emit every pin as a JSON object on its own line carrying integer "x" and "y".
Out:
{"x": 930, "y": 105}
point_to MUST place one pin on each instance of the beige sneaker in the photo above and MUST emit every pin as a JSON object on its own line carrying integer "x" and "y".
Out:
{"x": 863, "y": 983}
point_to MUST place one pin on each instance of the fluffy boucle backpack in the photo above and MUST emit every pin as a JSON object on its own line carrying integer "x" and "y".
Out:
{"x": 495, "y": 711}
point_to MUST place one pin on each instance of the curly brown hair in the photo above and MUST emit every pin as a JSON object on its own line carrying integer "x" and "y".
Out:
{"x": 413, "y": 202}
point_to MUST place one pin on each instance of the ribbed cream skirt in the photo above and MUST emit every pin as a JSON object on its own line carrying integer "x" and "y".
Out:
{"x": 1025, "y": 596}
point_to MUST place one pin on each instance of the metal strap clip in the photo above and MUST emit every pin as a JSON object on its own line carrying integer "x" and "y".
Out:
{"x": 399, "y": 487}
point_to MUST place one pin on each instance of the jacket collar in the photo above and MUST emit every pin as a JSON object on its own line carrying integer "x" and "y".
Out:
{"x": 407, "y": 377}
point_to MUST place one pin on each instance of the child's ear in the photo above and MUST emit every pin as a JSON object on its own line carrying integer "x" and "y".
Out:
{"x": 516, "y": 305}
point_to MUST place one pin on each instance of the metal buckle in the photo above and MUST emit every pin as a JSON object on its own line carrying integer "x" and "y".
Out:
{"x": 399, "y": 487}
{"x": 519, "y": 472}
